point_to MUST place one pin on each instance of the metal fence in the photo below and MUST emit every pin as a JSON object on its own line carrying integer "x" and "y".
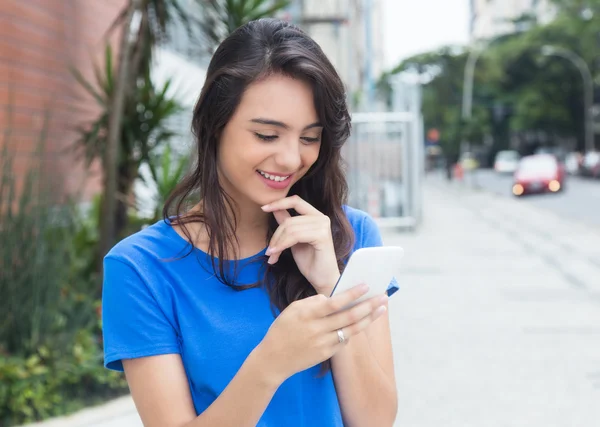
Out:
{"x": 385, "y": 159}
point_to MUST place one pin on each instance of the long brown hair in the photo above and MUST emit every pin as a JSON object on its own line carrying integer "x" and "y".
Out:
{"x": 254, "y": 51}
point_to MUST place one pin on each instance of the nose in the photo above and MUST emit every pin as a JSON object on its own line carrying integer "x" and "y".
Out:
{"x": 289, "y": 155}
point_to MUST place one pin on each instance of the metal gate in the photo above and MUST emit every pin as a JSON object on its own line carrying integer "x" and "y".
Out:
{"x": 385, "y": 161}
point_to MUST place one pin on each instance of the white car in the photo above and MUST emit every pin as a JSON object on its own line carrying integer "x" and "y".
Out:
{"x": 507, "y": 161}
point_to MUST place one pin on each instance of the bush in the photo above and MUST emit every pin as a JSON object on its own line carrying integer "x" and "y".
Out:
{"x": 56, "y": 382}
{"x": 50, "y": 334}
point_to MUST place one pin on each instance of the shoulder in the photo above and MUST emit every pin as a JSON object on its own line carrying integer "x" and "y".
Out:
{"x": 365, "y": 228}
{"x": 154, "y": 242}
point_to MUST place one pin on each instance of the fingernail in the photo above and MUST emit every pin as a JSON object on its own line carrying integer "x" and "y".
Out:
{"x": 381, "y": 310}
{"x": 268, "y": 252}
{"x": 383, "y": 299}
{"x": 364, "y": 287}
{"x": 270, "y": 260}
{"x": 265, "y": 207}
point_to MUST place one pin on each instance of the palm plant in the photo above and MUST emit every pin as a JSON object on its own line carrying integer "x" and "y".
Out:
{"x": 144, "y": 24}
{"x": 145, "y": 127}
{"x": 222, "y": 17}
{"x": 167, "y": 170}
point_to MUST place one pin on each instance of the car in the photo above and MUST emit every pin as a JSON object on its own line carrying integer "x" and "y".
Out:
{"x": 573, "y": 163}
{"x": 590, "y": 166}
{"x": 539, "y": 173}
{"x": 506, "y": 161}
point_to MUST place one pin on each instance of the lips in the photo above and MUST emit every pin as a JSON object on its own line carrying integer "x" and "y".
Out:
{"x": 273, "y": 176}
{"x": 275, "y": 181}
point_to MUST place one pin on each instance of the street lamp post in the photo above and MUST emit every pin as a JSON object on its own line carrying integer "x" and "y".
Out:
{"x": 467, "y": 101}
{"x": 467, "y": 98}
{"x": 588, "y": 88}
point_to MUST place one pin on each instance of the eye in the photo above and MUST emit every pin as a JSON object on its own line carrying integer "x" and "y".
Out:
{"x": 307, "y": 140}
{"x": 265, "y": 137}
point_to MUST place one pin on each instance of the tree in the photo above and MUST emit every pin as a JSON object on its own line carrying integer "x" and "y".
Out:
{"x": 143, "y": 24}
{"x": 222, "y": 17}
{"x": 144, "y": 129}
{"x": 518, "y": 93}
{"x": 443, "y": 70}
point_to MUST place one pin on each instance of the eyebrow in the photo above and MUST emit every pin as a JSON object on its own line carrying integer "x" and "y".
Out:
{"x": 283, "y": 125}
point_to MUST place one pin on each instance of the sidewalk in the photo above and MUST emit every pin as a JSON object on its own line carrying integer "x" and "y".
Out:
{"x": 497, "y": 321}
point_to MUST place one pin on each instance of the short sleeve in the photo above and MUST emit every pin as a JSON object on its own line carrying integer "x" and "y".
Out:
{"x": 370, "y": 236}
{"x": 133, "y": 323}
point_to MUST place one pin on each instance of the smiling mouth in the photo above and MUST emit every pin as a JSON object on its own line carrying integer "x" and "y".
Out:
{"x": 274, "y": 178}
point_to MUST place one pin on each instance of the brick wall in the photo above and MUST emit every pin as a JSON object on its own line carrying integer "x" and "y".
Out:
{"x": 39, "y": 41}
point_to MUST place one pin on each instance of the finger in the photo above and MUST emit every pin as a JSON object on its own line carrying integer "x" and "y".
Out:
{"x": 355, "y": 314}
{"x": 293, "y": 202}
{"x": 281, "y": 216}
{"x": 292, "y": 236}
{"x": 341, "y": 300}
{"x": 287, "y": 224}
{"x": 361, "y": 325}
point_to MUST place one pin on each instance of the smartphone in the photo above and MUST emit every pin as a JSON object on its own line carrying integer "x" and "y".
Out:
{"x": 378, "y": 267}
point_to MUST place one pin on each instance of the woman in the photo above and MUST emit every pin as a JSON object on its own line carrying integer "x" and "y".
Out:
{"x": 220, "y": 315}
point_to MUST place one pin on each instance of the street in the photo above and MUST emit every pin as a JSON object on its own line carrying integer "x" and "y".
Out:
{"x": 497, "y": 321}
{"x": 579, "y": 201}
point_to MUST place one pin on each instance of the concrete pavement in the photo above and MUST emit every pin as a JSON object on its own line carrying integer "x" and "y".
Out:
{"x": 497, "y": 322}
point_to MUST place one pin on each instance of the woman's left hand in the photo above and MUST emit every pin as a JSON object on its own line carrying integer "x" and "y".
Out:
{"x": 309, "y": 237}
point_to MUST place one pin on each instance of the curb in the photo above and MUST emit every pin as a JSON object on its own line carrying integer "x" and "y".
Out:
{"x": 94, "y": 415}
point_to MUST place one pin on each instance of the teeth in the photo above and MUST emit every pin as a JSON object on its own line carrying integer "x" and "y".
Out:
{"x": 273, "y": 177}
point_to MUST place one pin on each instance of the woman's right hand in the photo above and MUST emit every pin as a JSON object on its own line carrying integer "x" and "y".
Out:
{"x": 305, "y": 333}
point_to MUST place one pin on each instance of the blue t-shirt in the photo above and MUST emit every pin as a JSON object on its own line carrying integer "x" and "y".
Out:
{"x": 157, "y": 302}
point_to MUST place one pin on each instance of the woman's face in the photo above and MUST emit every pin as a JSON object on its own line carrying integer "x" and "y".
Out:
{"x": 271, "y": 141}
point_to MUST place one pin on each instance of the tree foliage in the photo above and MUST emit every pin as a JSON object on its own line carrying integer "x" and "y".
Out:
{"x": 519, "y": 94}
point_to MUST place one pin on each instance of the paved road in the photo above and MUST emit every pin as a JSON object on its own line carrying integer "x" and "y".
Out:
{"x": 579, "y": 201}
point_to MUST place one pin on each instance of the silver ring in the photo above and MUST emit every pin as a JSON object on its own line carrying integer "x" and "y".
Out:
{"x": 341, "y": 337}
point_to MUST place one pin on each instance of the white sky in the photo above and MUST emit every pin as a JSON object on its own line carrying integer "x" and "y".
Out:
{"x": 415, "y": 26}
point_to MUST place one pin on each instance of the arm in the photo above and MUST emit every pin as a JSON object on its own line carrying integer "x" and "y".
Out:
{"x": 364, "y": 377}
{"x": 363, "y": 370}
{"x": 160, "y": 390}
{"x": 140, "y": 336}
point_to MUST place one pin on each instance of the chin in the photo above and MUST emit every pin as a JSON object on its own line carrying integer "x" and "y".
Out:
{"x": 265, "y": 199}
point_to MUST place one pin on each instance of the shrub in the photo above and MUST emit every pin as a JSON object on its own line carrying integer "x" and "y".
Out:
{"x": 50, "y": 335}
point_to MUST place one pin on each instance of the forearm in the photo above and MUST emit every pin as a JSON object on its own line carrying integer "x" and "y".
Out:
{"x": 244, "y": 400}
{"x": 367, "y": 396}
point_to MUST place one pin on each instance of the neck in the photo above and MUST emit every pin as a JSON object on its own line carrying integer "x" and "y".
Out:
{"x": 251, "y": 220}
{"x": 251, "y": 230}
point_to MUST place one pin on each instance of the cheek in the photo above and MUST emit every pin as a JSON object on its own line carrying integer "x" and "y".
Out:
{"x": 310, "y": 154}
{"x": 233, "y": 155}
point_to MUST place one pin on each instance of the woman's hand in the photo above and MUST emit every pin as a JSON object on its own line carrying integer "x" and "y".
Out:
{"x": 309, "y": 237}
{"x": 305, "y": 333}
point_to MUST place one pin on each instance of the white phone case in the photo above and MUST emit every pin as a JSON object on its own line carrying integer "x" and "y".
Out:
{"x": 376, "y": 266}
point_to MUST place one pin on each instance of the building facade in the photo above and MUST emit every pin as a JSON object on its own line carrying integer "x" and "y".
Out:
{"x": 40, "y": 41}
{"x": 350, "y": 33}
{"x": 492, "y": 18}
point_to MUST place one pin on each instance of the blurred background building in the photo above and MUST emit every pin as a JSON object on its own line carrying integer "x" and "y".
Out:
{"x": 351, "y": 34}
{"x": 491, "y": 18}
{"x": 39, "y": 44}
